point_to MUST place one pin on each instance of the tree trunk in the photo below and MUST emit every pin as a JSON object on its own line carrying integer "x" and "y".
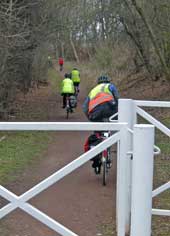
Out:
{"x": 74, "y": 49}
{"x": 153, "y": 39}
{"x": 139, "y": 47}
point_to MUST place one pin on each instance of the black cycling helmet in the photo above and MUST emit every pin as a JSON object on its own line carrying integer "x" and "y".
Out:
{"x": 67, "y": 75}
{"x": 103, "y": 79}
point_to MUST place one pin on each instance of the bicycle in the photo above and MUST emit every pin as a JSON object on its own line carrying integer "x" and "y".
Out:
{"x": 61, "y": 67}
{"x": 71, "y": 102}
{"x": 103, "y": 160}
{"x": 76, "y": 91}
{"x": 68, "y": 106}
{"x": 76, "y": 88}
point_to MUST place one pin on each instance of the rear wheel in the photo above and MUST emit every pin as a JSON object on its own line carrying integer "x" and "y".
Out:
{"x": 76, "y": 92}
{"x": 104, "y": 171}
{"x": 67, "y": 107}
{"x": 67, "y": 115}
{"x": 109, "y": 159}
{"x": 61, "y": 67}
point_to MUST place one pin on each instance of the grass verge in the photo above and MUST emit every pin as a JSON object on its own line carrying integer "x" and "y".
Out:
{"x": 20, "y": 150}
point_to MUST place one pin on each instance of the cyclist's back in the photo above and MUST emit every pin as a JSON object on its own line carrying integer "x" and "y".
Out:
{"x": 75, "y": 75}
{"x": 102, "y": 101}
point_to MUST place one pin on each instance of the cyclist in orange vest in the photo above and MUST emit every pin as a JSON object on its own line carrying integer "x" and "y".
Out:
{"x": 102, "y": 101}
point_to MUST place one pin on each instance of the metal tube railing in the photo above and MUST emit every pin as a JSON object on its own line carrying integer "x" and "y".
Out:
{"x": 153, "y": 121}
{"x": 142, "y": 103}
{"x": 161, "y": 189}
{"x": 21, "y": 201}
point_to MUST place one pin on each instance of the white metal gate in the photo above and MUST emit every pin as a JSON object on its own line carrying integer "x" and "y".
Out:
{"x": 140, "y": 169}
{"x": 132, "y": 139}
{"x": 22, "y": 201}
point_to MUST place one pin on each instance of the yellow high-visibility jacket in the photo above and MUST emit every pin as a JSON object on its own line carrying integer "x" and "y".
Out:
{"x": 67, "y": 86}
{"x": 75, "y": 76}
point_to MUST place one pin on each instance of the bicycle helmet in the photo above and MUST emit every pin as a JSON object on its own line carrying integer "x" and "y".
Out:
{"x": 103, "y": 79}
{"x": 67, "y": 75}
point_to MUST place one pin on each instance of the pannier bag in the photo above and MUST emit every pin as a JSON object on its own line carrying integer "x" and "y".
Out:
{"x": 91, "y": 141}
{"x": 73, "y": 101}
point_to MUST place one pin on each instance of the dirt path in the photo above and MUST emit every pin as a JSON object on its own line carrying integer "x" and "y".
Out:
{"x": 79, "y": 201}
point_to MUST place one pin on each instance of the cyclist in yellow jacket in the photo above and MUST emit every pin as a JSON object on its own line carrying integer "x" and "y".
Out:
{"x": 67, "y": 88}
{"x": 75, "y": 76}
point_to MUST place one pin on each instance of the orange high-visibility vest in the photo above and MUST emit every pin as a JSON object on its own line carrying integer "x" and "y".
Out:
{"x": 100, "y": 94}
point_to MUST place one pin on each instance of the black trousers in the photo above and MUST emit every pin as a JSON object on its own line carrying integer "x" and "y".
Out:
{"x": 64, "y": 98}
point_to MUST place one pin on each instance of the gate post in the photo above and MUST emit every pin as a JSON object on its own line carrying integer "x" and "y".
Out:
{"x": 142, "y": 180}
{"x": 121, "y": 182}
{"x": 127, "y": 114}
